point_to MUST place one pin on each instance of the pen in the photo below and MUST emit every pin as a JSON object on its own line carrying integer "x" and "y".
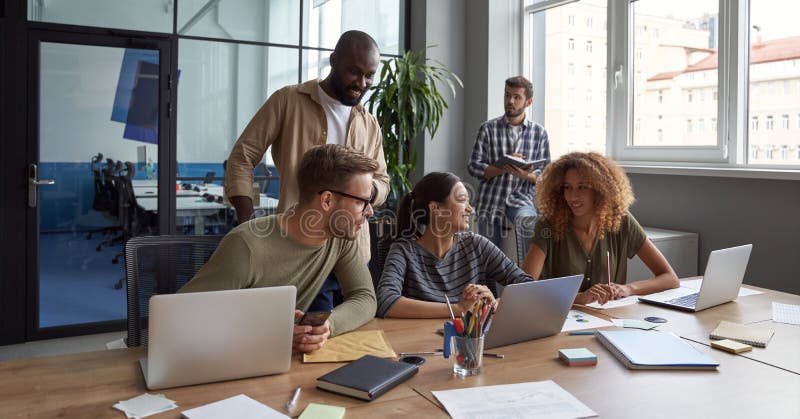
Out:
{"x": 608, "y": 266}
{"x": 490, "y": 355}
{"x": 292, "y": 403}
{"x": 581, "y": 332}
{"x": 449, "y": 307}
{"x": 421, "y": 353}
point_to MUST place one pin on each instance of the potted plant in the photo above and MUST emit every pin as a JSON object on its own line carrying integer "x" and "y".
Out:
{"x": 406, "y": 101}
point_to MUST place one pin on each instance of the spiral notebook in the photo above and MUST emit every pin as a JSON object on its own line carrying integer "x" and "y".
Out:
{"x": 646, "y": 349}
{"x": 749, "y": 334}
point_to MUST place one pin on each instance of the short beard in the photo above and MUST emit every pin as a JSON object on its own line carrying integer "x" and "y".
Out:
{"x": 511, "y": 114}
{"x": 339, "y": 91}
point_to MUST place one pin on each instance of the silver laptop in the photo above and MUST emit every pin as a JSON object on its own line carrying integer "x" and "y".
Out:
{"x": 212, "y": 336}
{"x": 721, "y": 282}
{"x": 532, "y": 310}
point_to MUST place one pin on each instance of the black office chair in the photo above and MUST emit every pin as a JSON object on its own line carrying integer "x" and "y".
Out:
{"x": 381, "y": 233}
{"x": 160, "y": 265}
{"x": 102, "y": 221}
{"x": 135, "y": 220}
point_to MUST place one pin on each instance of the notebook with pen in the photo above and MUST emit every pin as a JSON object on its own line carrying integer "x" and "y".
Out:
{"x": 645, "y": 349}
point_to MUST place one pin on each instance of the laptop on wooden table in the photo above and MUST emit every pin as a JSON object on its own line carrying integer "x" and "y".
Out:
{"x": 723, "y": 277}
{"x": 213, "y": 336}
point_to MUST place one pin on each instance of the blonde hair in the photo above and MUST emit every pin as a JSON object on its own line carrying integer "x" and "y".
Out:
{"x": 612, "y": 192}
{"x": 328, "y": 167}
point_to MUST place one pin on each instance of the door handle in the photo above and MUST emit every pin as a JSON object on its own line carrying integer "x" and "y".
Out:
{"x": 33, "y": 184}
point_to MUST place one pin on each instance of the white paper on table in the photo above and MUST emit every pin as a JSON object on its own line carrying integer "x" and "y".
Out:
{"x": 626, "y": 301}
{"x": 785, "y": 313}
{"x": 145, "y": 405}
{"x": 591, "y": 322}
{"x": 541, "y": 399}
{"x": 234, "y": 407}
{"x": 695, "y": 285}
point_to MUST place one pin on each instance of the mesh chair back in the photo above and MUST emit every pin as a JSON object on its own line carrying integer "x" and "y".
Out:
{"x": 381, "y": 231}
{"x": 160, "y": 265}
{"x": 524, "y": 233}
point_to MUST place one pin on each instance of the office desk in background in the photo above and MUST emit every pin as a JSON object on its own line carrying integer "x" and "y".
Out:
{"x": 88, "y": 384}
{"x": 190, "y": 203}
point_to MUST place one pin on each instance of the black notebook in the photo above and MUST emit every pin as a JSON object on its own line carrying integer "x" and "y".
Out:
{"x": 367, "y": 377}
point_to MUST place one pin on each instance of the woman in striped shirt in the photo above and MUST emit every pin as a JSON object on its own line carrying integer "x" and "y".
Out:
{"x": 435, "y": 254}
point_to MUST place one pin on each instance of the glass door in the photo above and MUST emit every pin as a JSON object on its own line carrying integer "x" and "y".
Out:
{"x": 95, "y": 112}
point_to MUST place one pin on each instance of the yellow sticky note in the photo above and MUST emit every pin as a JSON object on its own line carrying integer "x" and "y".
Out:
{"x": 351, "y": 346}
{"x": 731, "y": 346}
{"x": 322, "y": 411}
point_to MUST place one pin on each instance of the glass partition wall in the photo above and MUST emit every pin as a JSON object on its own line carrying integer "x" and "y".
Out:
{"x": 223, "y": 59}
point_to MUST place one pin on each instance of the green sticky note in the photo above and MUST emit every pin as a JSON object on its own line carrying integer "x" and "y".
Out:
{"x": 322, "y": 411}
{"x": 638, "y": 324}
{"x": 577, "y": 354}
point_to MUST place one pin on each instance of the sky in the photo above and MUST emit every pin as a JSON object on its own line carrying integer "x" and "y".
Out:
{"x": 777, "y": 18}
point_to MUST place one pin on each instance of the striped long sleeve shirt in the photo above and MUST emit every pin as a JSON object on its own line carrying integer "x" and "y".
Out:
{"x": 495, "y": 139}
{"x": 411, "y": 271}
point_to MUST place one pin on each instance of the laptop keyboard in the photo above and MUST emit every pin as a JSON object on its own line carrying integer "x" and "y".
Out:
{"x": 688, "y": 301}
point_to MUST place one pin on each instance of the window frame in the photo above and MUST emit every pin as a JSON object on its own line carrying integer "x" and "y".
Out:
{"x": 729, "y": 153}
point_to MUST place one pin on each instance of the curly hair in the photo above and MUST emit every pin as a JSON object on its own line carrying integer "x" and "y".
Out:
{"x": 612, "y": 192}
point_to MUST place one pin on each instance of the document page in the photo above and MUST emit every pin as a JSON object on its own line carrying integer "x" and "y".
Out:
{"x": 540, "y": 399}
{"x": 785, "y": 313}
{"x": 625, "y": 301}
{"x": 577, "y": 320}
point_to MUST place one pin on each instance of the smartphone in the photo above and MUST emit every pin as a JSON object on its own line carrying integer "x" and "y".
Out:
{"x": 314, "y": 318}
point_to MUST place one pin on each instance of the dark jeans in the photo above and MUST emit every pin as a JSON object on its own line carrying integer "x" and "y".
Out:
{"x": 330, "y": 295}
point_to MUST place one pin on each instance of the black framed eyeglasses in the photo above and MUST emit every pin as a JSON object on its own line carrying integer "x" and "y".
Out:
{"x": 364, "y": 202}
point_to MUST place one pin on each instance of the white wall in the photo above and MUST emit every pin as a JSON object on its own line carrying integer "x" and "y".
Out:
{"x": 481, "y": 45}
{"x": 443, "y": 27}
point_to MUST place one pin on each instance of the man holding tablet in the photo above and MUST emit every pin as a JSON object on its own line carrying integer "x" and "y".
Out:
{"x": 508, "y": 192}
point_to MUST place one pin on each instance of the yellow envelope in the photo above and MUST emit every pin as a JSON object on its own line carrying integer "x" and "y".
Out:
{"x": 351, "y": 346}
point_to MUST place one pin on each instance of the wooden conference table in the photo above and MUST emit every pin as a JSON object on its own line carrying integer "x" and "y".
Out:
{"x": 88, "y": 384}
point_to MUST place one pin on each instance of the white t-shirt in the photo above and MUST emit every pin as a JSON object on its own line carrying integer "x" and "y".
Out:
{"x": 515, "y": 132}
{"x": 337, "y": 115}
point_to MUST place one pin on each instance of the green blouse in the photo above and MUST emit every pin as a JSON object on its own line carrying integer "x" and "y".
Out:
{"x": 566, "y": 256}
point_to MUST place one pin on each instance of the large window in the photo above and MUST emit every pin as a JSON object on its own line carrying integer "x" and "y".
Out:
{"x": 680, "y": 61}
{"x": 697, "y": 82}
{"x": 552, "y": 68}
{"x": 775, "y": 62}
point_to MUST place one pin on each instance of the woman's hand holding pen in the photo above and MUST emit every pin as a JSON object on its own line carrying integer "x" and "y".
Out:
{"x": 309, "y": 338}
{"x": 473, "y": 293}
{"x": 621, "y": 291}
{"x": 601, "y": 293}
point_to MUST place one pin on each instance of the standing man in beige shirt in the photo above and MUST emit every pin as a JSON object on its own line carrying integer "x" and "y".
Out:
{"x": 298, "y": 117}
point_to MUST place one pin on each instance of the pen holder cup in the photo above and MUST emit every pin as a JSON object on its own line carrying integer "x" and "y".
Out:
{"x": 467, "y": 355}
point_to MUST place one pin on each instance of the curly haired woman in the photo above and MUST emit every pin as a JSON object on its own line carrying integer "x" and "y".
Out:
{"x": 583, "y": 199}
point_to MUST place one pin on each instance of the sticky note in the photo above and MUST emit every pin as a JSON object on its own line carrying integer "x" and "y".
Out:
{"x": 638, "y": 324}
{"x": 577, "y": 357}
{"x": 731, "y": 346}
{"x": 322, "y": 411}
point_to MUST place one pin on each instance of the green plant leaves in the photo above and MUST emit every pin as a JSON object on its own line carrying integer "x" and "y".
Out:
{"x": 406, "y": 101}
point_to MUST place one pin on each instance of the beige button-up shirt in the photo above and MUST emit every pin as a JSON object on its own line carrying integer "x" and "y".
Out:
{"x": 292, "y": 121}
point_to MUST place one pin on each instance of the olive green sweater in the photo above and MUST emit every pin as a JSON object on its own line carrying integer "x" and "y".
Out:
{"x": 258, "y": 254}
